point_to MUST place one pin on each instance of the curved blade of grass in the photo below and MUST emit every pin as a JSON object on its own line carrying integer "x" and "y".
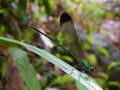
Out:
{"x": 82, "y": 78}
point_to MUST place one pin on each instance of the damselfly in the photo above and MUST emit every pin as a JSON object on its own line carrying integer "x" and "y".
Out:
{"x": 72, "y": 41}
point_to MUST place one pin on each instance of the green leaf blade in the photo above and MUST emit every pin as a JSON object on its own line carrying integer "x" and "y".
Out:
{"x": 27, "y": 72}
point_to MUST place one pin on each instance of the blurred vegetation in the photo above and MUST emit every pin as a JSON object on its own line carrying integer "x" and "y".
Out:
{"x": 97, "y": 24}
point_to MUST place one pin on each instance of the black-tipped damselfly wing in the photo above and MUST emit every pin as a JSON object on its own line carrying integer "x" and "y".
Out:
{"x": 72, "y": 41}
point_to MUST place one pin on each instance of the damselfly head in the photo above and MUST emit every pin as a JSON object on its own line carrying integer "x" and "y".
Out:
{"x": 92, "y": 69}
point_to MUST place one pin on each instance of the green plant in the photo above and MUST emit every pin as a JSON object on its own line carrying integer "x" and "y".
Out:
{"x": 82, "y": 78}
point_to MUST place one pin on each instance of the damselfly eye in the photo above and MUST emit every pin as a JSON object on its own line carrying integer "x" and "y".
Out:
{"x": 92, "y": 69}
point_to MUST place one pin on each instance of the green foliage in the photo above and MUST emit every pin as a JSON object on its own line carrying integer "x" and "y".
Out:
{"x": 85, "y": 46}
{"x": 90, "y": 38}
{"x": 85, "y": 7}
{"x": 104, "y": 52}
{"x": 108, "y": 78}
{"x": 59, "y": 37}
{"x": 3, "y": 29}
{"x": 21, "y": 15}
{"x": 4, "y": 11}
{"x": 65, "y": 57}
{"x": 3, "y": 67}
{"x": 114, "y": 83}
{"x": 26, "y": 70}
{"x": 47, "y": 6}
{"x": 92, "y": 59}
{"x": 62, "y": 81}
{"x": 23, "y": 3}
{"x": 104, "y": 82}
{"x": 112, "y": 66}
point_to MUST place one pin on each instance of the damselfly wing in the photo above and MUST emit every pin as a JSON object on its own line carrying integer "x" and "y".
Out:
{"x": 72, "y": 41}
{"x": 69, "y": 35}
